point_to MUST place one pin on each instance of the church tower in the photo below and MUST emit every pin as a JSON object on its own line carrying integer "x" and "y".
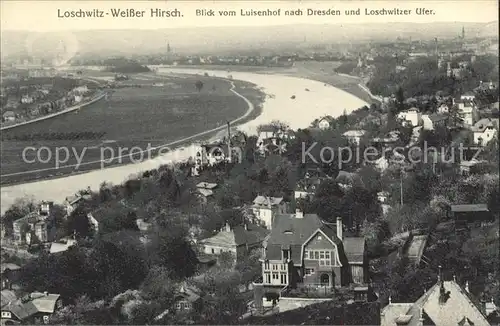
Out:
{"x": 360, "y": 61}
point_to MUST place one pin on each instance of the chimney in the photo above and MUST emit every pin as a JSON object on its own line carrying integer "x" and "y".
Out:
{"x": 229, "y": 150}
{"x": 467, "y": 286}
{"x": 228, "y": 228}
{"x": 246, "y": 227}
{"x": 421, "y": 319}
{"x": 299, "y": 213}
{"x": 439, "y": 274}
{"x": 46, "y": 293}
{"x": 339, "y": 228}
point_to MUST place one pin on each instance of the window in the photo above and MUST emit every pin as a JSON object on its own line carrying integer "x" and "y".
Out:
{"x": 283, "y": 267}
{"x": 266, "y": 265}
{"x": 283, "y": 279}
{"x": 309, "y": 271}
{"x": 275, "y": 276}
{"x": 323, "y": 256}
{"x": 306, "y": 254}
{"x": 178, "y": 305}
{"x": 275, "y": 267}
{"x": 267, "y": 277}
{"x": 213, "y": 251}
{"x": 359, "y": 296}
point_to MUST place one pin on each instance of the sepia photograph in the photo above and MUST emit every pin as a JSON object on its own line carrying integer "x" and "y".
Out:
{"x": 249, "y": 162}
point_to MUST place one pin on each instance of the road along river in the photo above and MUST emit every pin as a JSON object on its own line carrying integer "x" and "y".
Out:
{"x": 296, "y": 101}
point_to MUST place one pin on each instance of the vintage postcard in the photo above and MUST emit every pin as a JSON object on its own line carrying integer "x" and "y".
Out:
{"x": 250, "y": 162}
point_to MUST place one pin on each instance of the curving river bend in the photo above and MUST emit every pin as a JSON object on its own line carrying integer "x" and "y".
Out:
{"x": 319, "y": 99}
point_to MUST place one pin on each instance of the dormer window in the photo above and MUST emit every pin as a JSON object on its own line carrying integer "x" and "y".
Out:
{"x": 285, "y": 254}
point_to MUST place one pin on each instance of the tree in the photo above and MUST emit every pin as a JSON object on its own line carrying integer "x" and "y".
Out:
{"x": 159, "y": 287}
{"x": 171, "y": 248}
{"x": 226, "y": 260}
{"x": 78, "y": 223}
{"x": 224, "y": 305}
{"x": 400, "y": 99}
{"x": 131, "y": 187}
{"x": 456, "y": 119}
{"x": 327, "y": 202}
{"x": 199, "y": 85}
{"x": 250, "y": 267}
{"x": 19, "y": 209}
{"x": 343, "y": 119}
{"x": 83, "y": 312}
{"x": 359, "y": 205}
{"x": 280, "y": 125}
{"x": 120, "y": 260}
{"x": 105, "y": 193}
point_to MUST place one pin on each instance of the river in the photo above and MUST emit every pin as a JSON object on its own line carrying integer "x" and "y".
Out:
{"x": 311, "y": 100}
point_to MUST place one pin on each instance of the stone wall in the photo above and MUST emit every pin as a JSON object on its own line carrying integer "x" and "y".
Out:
{"x": 286, "y": 303}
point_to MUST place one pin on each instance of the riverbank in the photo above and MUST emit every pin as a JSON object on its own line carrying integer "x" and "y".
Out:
{"x": 312, "y": 99}
{"x": 52, "y": 115}
{"x": 67, "y": 170}
{"x": 131, "y": 120}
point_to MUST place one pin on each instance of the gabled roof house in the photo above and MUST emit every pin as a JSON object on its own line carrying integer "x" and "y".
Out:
{"x": 238, "y": 240}
{"x": 304, "y": 251}
{"x": 446, "y": 304}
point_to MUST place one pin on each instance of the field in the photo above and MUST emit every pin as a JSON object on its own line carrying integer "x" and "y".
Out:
{"x": 143, "y": 112}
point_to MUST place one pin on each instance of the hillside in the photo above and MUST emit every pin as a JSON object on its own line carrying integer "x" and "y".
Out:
{"x": 325, "y": 313}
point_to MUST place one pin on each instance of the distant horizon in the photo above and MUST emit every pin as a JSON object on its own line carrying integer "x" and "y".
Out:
{"x": 250, "y": 26}
{"x": 46, "y": 16}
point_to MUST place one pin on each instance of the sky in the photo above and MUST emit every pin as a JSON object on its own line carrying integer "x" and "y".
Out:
{"x": 43, "y": 15}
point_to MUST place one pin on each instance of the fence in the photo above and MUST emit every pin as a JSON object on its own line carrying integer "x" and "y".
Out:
{"x": 311, "y": 290}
